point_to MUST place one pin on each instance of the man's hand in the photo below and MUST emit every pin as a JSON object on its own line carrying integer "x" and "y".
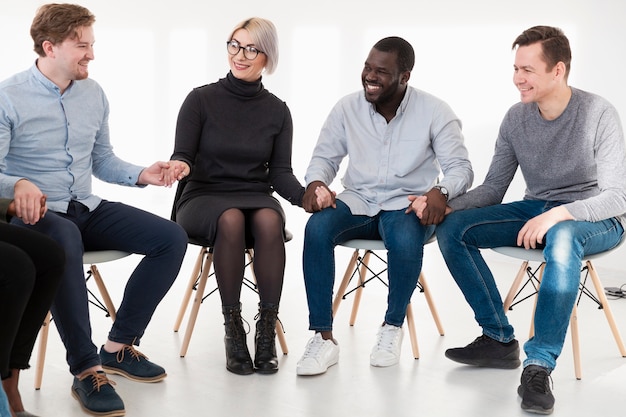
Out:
{"x": 153, "y": 175}
{"x": 29, "y": 203}
{"x": 536, "y": 228}
{"x": 417, "y": 204}
{"x": 325, "y": 197}
{"x": 432, "y": 210}
{"x": 312, "y": 202}
{"x": 176, "y": 171}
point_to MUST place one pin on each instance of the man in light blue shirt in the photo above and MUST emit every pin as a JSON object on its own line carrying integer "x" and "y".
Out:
{"x": 54, "y": 136}
{"x": 398, "y": 140}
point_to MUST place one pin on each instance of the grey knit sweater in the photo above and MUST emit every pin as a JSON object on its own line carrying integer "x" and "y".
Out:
{"x": 579, "y": 158}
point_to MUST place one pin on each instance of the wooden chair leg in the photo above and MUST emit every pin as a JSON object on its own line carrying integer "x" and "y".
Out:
{"x": 359, "y": 290}
{"x": 410, "y": 322}
{"x": 431, "y": 303}
{"x": 573, "y": 323}
{"x": 192, "y": 283}
{"x": 517, "y": 282}
{"x": 106, "y": 298}
{"x": 41, "y": 354}
{"x": 606, "y": 308}
{"x": 531, "y": 332}
{"x": 280, "y": 334}
{"x": 345, "y": 281}
{"x": 195, "y": 307}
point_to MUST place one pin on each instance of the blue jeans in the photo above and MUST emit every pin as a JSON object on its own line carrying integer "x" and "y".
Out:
{"x": 403, "y": 236}
{"x": 464, "y": 233}
{"x": 111, "y": 226}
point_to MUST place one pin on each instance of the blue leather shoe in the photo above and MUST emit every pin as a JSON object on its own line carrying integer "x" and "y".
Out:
{"x": 132, "y": 364}
{"x": 97, "y": 396}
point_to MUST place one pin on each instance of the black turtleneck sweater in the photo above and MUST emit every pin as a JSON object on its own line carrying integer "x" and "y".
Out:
{"x": 237, "y": 138}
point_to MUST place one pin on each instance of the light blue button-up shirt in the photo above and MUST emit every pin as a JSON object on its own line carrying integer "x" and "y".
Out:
{"x": 57, "y": 141}
{"x": 387, "y": 162}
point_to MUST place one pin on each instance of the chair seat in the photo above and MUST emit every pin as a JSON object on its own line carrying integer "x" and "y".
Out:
{"x": 374, "y": 244}
{"x": 536, "y": 255}
{"x": 101, "y": 256}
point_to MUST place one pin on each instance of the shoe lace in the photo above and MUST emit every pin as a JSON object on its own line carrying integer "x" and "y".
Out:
{"x": 134, "y": 354}
{"x": 235, "y": 325}
{"x": 100, "y": 379}
{"x": 314, "y": 347}
{"x": 538, "y": 380}
{"x": 387, "y": 337}
{"x": 480, "y": 340}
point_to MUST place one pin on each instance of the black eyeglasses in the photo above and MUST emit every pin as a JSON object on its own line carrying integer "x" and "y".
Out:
{"x": 249, "y": 52}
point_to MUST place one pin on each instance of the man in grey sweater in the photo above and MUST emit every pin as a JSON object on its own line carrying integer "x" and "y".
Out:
{"x": 569, "y": 145}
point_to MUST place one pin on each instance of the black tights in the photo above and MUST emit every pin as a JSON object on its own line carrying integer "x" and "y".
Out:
{"x": 265, "y": 226}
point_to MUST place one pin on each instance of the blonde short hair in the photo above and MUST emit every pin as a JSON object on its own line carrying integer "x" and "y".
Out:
{"x": 263, "y": 33}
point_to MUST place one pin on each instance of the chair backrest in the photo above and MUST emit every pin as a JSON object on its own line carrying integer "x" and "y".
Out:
{"x": 179, "y": 191}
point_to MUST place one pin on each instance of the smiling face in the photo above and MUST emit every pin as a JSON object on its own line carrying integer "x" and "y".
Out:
{"x": 535, "y": 82}
{"x": 243, "y": 68}
{"x": 381, "y": 78}
{"x": 68, "y": 61}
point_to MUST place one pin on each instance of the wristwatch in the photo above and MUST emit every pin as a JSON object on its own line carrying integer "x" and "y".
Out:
{"x": 443, "y": 191}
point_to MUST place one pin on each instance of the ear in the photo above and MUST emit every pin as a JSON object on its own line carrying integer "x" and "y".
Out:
{"x": 559, "y": 70}
{"x": 404, "y": 78}
{"x": 48, "y": 48}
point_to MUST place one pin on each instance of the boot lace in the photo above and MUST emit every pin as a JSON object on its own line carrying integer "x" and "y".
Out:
{"x": 266, "y": 327}
{"x": 238, "y": 333}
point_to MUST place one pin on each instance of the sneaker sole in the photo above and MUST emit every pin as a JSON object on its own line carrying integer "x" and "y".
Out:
{"x": 533, "y": 409}
{"x": 488, "y": 363}
{"x": 112, "y": 413}
{"x": 311, "y": 372}
{"x": 136, "y": 378}
{"x": 384, "y": 364}
{"x": 537, "y": 410}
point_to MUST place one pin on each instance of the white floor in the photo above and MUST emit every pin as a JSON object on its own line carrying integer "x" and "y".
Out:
{"x": 200, "y": 385}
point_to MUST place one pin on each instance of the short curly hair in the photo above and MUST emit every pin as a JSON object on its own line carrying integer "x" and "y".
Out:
{"x": 58, "y": 22}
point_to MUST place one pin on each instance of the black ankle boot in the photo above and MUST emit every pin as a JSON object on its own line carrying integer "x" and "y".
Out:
{"x": 265, "y": 360}
{"x": 238, "y": 358}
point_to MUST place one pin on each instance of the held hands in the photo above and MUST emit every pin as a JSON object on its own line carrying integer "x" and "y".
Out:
{"x": 163, "y": 173}
{"x": 153, "y": 175}
{"x": 29, "y": 203}
{"x": 176, "y": 171}
{"x": 430, "y": 208}
{"x": 317, "y": 197}
{"x": 535, "y": 229}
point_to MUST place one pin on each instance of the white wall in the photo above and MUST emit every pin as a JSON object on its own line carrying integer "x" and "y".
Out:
{"x": 150, "y": 53}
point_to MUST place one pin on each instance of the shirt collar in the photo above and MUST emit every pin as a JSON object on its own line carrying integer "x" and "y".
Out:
{"x": 401, "y": 108}
{"x": 34, "y": 70}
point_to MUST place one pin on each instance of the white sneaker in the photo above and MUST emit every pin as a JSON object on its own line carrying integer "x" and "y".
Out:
{"x": 386, "y": 352}
{"x": 318, "y": 356}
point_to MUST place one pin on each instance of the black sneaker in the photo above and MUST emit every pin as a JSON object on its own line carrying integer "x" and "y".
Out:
{"x": 97, "y": 396}
{"x": 487, "y": 352}
{"x": 535, "y": 390}
{"x": 132, "y": 364}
